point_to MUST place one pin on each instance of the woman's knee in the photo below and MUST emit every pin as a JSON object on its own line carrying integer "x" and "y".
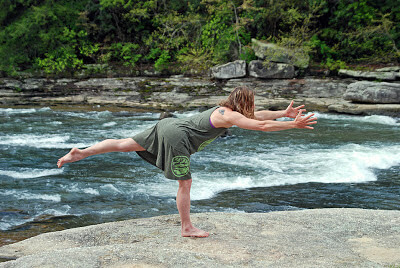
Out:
{"x": 185, "y": 183}
{"x": 129, "y": 145}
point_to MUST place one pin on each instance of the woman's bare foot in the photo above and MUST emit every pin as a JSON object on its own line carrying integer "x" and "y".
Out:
{"x": 194, "y": 232}
{"x": 74, "y": 155}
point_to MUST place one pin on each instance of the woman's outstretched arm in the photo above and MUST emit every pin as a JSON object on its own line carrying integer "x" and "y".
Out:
{"x": 241, "y": 121}
{"x": 271, "y": 115}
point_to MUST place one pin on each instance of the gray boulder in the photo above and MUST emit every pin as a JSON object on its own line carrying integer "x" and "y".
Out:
{"x": 275, "y": 53}
{"x": 388, "y": 76}
{"x": 373, "y": 92}
{"x": 229, "y": 70}
{"x": 389, "y": 69}
{"x": 258, "y": 69}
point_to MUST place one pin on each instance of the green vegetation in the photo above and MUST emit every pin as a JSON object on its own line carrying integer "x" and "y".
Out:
{"x": 59, "y": 37}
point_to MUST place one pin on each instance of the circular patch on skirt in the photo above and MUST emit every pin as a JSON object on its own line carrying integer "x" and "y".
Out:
{"x": 180, "y": 165}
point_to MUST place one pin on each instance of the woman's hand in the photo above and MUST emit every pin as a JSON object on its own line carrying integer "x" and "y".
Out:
{"x": 305, "y": 122}
{"x": 293, "y": 112}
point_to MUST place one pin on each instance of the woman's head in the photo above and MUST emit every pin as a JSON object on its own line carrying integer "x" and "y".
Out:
{"x": 241, "y": 100}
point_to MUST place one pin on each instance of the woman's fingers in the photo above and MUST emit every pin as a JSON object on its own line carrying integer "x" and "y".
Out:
{"x": 310, "y": 115}
{"x": 311, "y": 119}
{"x": 303, "y": 110}
{"x": 290, "y": 106}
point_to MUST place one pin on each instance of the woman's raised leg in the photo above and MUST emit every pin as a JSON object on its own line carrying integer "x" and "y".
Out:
{"x": 106, "y": 146}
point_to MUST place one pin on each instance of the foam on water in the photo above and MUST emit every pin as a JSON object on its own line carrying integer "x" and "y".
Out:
{"x": 76, "y": 188}
{"x": 130, "y": 131}
{"x": 40, "y": 141}
{"x": 207, "y": 188}
{"x": 55, "y": 123}
{"x": 351, "y": 163}
{"x": 109, "y": 124}
{"x": 105, "y": 212}
{"x": 110, "y": 188}
{"x": 91, "y": 191}
{"x": 150, "y": 116}
{"x": 88, "y": 115}
{"x": 26, "y": 195}
{"x": 30, "y": 173}
{"x": 9, "y": 111}
{"x": 61, "y": 211}
{"x": 374, "y": 119}
{"x": 186, "y": 114}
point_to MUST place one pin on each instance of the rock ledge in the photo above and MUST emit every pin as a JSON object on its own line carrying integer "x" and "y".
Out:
{"x": 305, "y": 238}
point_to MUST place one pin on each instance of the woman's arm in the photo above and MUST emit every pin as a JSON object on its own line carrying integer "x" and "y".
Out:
{"x": 271, "y": 115}
{"x": 241, "y": 121}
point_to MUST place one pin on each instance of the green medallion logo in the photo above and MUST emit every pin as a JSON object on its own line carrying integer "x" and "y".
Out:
{"x": 180, "y": 165}
{"x": 204, "y": 144}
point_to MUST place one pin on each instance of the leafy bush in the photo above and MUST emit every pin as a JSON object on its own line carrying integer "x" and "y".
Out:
{"x": 247, "y": 54}
{"x": 334, "y": 65}
{"x": 194, "y": 59}
{"x": 125, "y": 53}
{"x": 68, "y": 56}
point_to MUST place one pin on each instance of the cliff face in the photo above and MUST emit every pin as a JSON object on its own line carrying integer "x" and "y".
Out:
{"x": 306, "y": 238}
{"x": 178, "y": 92}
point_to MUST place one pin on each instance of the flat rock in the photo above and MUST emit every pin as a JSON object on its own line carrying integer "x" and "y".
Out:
{"x": 258, "y": 69}
{"x": 304, "y": 238}
{"x": 373, "y": 92}
{"x": 386, "y": 76}
{"x": 348, "y": 107}
{"x": 389, "y": 69}
{"x": 229, "y": 70}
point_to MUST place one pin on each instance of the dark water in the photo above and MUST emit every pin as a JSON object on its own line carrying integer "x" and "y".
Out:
{"x": 347, "y": 161}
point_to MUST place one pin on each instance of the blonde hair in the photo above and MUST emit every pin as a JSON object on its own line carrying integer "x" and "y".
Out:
{"x": 241, "y": 100}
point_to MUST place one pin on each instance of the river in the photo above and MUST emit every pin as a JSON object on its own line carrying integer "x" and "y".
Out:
{"x": 347, "y": 161}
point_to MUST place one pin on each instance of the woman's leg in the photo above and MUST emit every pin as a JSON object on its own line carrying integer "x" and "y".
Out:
{"x": 106, "y": 146}
{"x": 183, "y": 204}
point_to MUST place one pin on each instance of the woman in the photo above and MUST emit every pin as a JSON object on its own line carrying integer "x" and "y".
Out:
{"x": 169, "y": 144}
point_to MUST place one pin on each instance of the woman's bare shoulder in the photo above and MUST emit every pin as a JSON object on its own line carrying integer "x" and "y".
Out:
{"x": 223, "y": 110}
{"x": 223, "y": 117}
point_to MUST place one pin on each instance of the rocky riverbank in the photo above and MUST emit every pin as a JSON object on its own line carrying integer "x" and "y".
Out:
{"x": 178, "y": 92}
{"x": 306, "y": 238}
